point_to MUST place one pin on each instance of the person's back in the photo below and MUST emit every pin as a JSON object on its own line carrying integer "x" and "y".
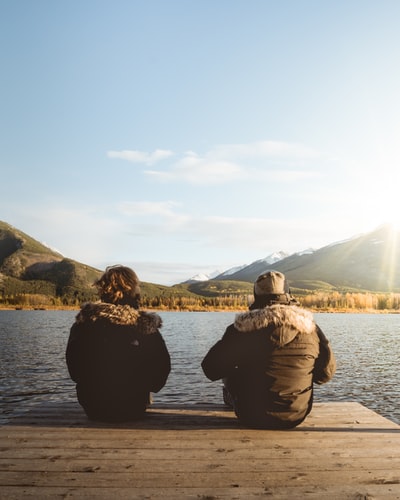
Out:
{"x": 270, "y": 357}
{"x": 115, "y": 353}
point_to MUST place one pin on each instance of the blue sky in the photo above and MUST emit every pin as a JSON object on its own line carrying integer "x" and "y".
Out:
{"x": 184, "y": 136}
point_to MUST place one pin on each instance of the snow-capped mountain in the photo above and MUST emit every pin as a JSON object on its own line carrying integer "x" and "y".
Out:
{"x": 266, "y": 261}
{"x": 202, "y": 277}
{"x": 232, "y": 270}
{"x": 270, "y": 259}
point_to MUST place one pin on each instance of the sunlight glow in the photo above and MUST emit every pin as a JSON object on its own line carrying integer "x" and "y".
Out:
{"x": 394, "y": 224}
{"x": 389, "y": 263}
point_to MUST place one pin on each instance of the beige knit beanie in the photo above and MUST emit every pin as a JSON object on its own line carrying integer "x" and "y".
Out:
{"x": 270, "y": 283}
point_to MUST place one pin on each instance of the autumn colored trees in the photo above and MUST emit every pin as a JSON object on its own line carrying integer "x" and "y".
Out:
{"x": 317, "y": 301}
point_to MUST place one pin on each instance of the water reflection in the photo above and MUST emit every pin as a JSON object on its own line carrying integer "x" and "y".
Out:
{"x": 366, "y": 347}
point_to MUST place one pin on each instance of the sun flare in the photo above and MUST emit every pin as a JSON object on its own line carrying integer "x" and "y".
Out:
{"x": 394, "y": 224}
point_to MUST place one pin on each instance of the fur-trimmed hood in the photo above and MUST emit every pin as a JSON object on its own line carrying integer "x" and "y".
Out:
{"x": 119, "y": 315}
{"x": 288, "y": 320}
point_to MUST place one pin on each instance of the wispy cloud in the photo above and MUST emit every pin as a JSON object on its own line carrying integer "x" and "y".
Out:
{"x": 142, "y": 208}
{"x": 197, "y": 170}
{"x": 272, "y": 160}
{"x": 141, "y": 156}
{"x": 247, "y": 233}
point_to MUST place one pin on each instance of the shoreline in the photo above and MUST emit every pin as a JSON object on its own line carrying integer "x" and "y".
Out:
{"x": 206, "y": 310}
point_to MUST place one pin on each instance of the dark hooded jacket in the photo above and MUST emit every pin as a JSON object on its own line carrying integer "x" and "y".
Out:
{"x": 269, "y": 359}
{"x": 117, "y": 356}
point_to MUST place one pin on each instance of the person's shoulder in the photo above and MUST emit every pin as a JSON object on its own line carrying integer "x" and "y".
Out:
{"x": 95, "y": 312}
{"x": 91, "y": 312}
{"x": 149, "y": 322}
{"x": 276, "y": 315}
{"x": 230, "y": 332}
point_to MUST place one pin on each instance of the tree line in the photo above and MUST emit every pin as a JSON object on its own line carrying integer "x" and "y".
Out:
{"x": 318, "y": 301}
{"x": 366, "y": 301}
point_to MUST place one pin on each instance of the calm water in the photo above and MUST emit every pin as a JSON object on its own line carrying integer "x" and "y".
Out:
{"x": 32, "y": 358}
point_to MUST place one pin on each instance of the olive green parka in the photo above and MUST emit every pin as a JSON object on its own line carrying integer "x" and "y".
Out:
{"x": 269, "y": 359}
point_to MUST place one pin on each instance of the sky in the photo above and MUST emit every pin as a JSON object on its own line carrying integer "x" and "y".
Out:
{"x": 187, "y": 136}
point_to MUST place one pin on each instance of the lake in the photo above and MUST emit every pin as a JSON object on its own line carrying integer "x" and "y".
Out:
{"x": 32, "y": 358}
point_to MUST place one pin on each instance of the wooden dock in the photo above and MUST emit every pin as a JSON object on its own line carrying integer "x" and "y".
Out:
{"x": 341, "y": 451}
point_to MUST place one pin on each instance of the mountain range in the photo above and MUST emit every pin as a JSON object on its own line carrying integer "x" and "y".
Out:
{"x": 225, "y": 275}
{"x": 368, "y": 262}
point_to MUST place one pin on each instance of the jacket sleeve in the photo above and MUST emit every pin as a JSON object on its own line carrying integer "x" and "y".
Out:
{"x": 325, "y": 364}
{"x": 223, "y": 357}
{"x": 159, "y": 363}
{"x": 73, "y": 353}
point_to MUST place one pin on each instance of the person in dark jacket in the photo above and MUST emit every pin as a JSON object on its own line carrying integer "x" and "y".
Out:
{"x": 115, "y": 352}
{"x": 270, "y": 357}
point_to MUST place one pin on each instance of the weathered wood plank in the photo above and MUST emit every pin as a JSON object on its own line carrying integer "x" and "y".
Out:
{"x": 24, "y": 459}
{"x": 205, "y": 464}
{"x": 282, "y": 492}
{"x": 188, "y": 479}
{"x": 240, "y": 443}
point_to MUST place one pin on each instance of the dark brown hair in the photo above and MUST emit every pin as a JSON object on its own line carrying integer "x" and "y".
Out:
{"x": 119, "y": 285}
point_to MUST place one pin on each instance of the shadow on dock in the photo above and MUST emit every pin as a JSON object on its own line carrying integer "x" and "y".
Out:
{"x": 325, "y": 417}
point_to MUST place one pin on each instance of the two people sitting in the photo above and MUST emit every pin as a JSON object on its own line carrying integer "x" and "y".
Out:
{"x": 268, "y": 359}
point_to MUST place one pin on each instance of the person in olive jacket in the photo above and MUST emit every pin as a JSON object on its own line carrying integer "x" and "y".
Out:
{"x": 115, "y": 352}
{"x": 270, "y": 357}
